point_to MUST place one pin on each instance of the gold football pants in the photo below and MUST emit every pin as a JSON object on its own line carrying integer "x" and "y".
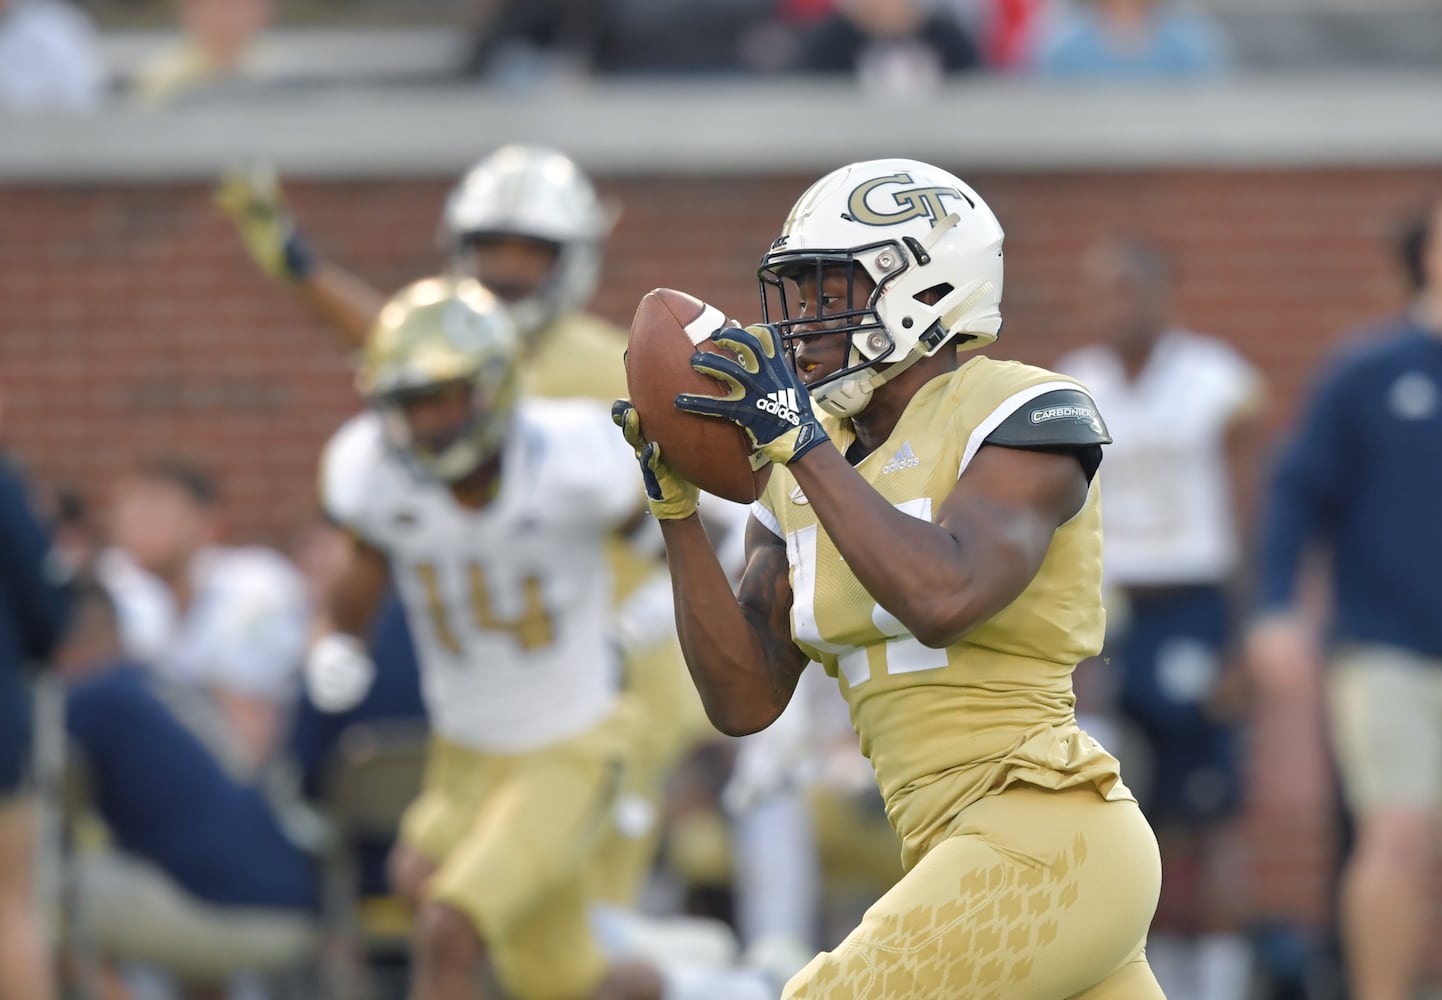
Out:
{"x": 1034, "y": 895}
{"x": 516, "y": 840}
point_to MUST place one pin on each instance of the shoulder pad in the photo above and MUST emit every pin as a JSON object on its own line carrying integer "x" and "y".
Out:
{"x": 1061, "y": 418}
{"x": 348, "y": 465}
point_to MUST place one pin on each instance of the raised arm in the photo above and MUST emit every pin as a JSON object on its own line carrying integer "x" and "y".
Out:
{"x": 346, "y": 303}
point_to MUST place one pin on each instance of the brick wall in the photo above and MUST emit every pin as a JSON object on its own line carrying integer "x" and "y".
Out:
{"x": 130, "y": 323}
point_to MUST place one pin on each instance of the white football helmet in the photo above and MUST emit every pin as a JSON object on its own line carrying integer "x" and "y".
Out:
{"x": 538, "y": 193}
{"x": 912, "y": 228}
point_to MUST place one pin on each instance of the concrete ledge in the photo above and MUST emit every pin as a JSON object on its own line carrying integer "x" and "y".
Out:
{"x": 667, "y": 126}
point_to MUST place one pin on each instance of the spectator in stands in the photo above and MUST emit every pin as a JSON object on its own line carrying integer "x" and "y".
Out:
{"x": 202, "y": 882}
{"x": 1184, "y": 412}
{"x": 1131, "y": 40}
{"x": 48, "y": 59}
{"x": 228, "y": 622}
{"x": 1360, "y": 480}
{"x": 32, "y": 607}
{"x": 523, "y": 41}
{"x": 217, "y": 53}
{"x": 892, "y": 46}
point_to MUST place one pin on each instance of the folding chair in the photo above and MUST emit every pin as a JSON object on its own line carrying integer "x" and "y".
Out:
{"x": 373, "y": 775}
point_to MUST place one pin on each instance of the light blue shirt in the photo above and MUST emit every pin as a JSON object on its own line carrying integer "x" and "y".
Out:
{"x": 1179, "y": 45}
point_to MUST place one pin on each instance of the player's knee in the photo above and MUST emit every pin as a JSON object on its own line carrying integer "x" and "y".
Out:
{"x": 446, "y": 939}
{"x": 408, "y": 871}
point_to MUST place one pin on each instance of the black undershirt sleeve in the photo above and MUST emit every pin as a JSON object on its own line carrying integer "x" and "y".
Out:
{"x": 1061, "y": 422}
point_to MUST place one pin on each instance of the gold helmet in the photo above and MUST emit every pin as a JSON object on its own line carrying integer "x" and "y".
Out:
{"x": 436, "y": 334}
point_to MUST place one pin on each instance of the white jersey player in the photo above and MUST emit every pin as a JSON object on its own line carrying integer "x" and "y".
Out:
{"x": 1183, "y": 409}
{"x": 491, "y": 515}
{"x": 508, "y": 604}
{"x": 1169, "y": 516}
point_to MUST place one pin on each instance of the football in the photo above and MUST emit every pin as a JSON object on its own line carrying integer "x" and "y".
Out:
{"x": 670, "y": 326}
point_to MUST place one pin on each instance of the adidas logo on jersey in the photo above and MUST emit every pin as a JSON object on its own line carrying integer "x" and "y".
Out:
{"x": 781, "y": 403}
{"x": 904, "y": 458}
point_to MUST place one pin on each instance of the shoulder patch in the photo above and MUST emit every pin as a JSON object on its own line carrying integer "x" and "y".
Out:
{"x": 1057, "y": 419}
{"x": 1060, "y": 420}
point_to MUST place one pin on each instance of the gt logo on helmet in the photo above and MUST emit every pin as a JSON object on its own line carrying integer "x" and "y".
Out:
{"x": 911, "y": 203}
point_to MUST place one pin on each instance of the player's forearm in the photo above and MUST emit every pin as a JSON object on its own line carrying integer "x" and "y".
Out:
{"x": 916, "y": 570}
{"x": 742, "y": 681}
{"x": 342, "y": 300}
{"x": 356, "y": 595}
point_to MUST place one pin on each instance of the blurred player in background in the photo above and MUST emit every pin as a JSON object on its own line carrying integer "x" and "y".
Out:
{"x": 492, "y": 516}
{"x": 32, "y": 611}
{"x": 1360, "y": 480}
{"x": 934, "y": 541}
{"x": 1184, "y": 411}
{"x": 528, "y": 223}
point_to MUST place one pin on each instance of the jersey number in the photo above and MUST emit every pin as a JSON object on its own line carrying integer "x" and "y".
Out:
{"x": 532, "y": 629}
{"x": 900, "y": 652}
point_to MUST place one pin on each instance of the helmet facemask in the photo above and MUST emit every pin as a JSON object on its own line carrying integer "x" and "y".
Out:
{"x": 540, "y": 194}
{"x": 470, "y": 443}
{"x": 926, "y": 240}
{"x": 567, "y": 285}
{"x": 872, "y": 355}
{"x": 449, "y": 339}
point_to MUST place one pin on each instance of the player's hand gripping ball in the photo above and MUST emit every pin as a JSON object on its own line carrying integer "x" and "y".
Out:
{"x": 669, "y": 329}
{"x": 765, "y": 398}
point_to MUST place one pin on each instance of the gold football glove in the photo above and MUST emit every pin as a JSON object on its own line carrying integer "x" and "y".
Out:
{"x": 669, "y": 496}
{"x": 251, "y": 198}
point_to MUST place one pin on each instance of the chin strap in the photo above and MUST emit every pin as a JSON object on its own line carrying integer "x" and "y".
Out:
{"x": 849, "y": 396}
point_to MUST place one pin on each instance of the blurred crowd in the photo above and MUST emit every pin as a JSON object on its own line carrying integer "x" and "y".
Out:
{"x": 52, "y": 57}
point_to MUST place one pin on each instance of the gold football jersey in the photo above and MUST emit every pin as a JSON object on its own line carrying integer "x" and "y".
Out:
{"x": 578, "y": 356}
{"x": 944, "y": 727}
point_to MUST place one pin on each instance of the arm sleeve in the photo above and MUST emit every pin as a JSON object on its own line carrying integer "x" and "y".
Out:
{"x": 30, "y": 573}
{"x": 1306, "y": 487}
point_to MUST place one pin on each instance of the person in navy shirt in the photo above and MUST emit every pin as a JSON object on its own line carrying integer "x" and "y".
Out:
{"x": 32, "y": 613}
{"x": 201, "y": 878}
{"x": 208, "y": 876}
{"x": 1361, "y": 479}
